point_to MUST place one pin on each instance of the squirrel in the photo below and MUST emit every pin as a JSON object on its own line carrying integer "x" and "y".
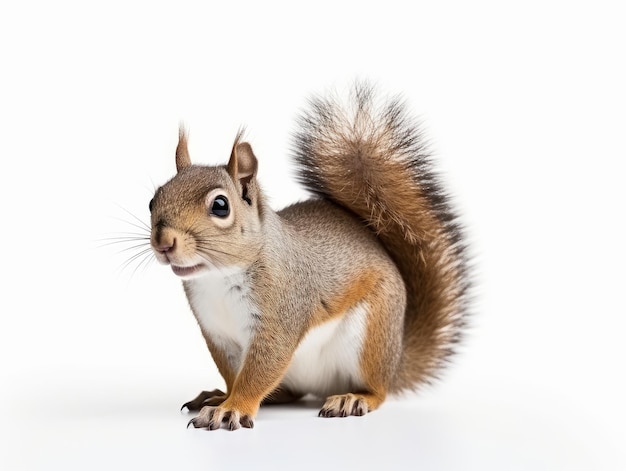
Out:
{"x": 356, "y": 293}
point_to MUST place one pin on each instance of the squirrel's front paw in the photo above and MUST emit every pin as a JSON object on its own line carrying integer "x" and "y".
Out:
{"x": 212, "y": 418}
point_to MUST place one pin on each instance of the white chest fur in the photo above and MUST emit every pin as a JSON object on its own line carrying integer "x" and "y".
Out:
{"x": 221, "y": 303}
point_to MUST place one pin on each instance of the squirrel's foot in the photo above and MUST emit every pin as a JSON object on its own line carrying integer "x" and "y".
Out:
{"x": 205, "y": 398}
{"x": 281, "y": 395}
{"x": 213, "y": 418}
{"x": 344, "y": 405}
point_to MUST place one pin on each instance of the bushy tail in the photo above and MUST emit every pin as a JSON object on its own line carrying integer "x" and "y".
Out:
{"x": 369, "y": 157}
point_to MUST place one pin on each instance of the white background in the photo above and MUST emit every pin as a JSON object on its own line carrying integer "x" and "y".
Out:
{"x": 525, "y": 107}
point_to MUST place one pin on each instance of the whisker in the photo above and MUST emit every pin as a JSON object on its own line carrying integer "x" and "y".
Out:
{"x": 143, "y": 226}
{"x": 212, "y": 253}
{"x": 208, "y": 243}
{"x": 138, "y": 246}
{"x": 132, "y": 242}
{"x": 122, "y": 240}
{"x": 124, "y": 243}
{"x": 145, "y": 263}
{"x": 142, "y": 223}
{"x": 213, "y": 261}
{"x": 205, "y": 236}
{"x": 216, "y": 243}
{"x": 212, "y": 240}
{"x": 141, "y": 253}
{"x": 215, "y": 240}
{"x": 144, "y": 257}
{"x": 210, "y": 250}
{"x": 120, "y": 235}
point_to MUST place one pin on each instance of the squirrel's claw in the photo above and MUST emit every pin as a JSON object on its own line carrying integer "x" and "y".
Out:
{"x": 345, "y": 405}
{"x": 212, "y": 418}
{"x": 205, "y": 398}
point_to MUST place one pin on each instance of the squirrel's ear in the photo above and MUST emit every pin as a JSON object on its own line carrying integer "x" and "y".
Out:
{"x": 242, "y": 165}
{"x": 182, "y": 154}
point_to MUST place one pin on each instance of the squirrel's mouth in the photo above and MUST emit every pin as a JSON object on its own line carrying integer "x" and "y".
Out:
{"x": 186, "y": 271}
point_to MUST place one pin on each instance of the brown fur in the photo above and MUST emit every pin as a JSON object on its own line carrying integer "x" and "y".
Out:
{"x": 381, "y": 237}
{"x": 369, "y": 158}
{"x": 354, "y": 292}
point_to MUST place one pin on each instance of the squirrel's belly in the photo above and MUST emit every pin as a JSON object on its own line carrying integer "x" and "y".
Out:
{"x": 327, "y": 360}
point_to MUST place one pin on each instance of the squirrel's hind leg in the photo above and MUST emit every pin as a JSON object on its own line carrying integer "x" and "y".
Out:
{"x": 205, "y": 398}
{"x": 380, "y": 353}
{"x": 343, "y": 405}
{"x": 281, "y": 395}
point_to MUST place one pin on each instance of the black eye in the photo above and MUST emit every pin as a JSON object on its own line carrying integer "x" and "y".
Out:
{"x": 220, "y": 207}
{"x": 151, "y": 204}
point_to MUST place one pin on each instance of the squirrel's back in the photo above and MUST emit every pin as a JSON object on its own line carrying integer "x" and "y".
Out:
{"x": 369, "y": 157}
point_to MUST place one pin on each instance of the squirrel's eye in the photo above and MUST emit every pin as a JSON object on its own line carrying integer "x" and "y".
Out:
{"x": 151, "y": 204}
{"x": 220, "y": 207}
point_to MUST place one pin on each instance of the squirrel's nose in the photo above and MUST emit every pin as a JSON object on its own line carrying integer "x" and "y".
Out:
{"x": 165, "y": 247}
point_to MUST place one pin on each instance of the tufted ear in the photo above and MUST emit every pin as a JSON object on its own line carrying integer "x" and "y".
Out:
{"x": 242, "y": 166}
{"x": 182, "y": 154}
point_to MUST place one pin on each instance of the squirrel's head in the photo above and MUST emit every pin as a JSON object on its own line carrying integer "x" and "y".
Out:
{"x": 208, "y": 217}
